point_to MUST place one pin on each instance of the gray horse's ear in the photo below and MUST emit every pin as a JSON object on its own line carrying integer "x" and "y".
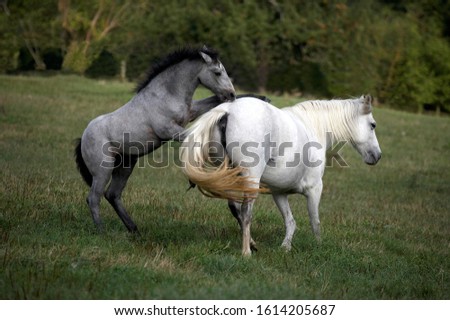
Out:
{"x": 367, "y": 103}
{"x": 206, "y": 57}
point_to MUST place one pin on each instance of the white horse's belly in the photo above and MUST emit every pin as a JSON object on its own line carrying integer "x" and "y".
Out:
{"x": 291, "y": 180}
{"x": 291, "y": 174}
{"x": 281, "y": 180}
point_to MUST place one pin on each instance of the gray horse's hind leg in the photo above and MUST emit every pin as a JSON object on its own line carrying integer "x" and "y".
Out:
{"x": 235, "y": 208}
{"x": 119, "y": 180}
{"x": 95, "y": 194}
{"x": 282, "y": 203}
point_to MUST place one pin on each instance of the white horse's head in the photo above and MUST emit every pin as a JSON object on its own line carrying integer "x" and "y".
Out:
{"x": 364, "y": 138}
{"x": 214, "y": 76}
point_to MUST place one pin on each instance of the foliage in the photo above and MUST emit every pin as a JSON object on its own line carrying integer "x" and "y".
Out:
{"x": 396, "y": 50}
{"x": 421, "y": 75}
{"x": 385, "y": 228}
{"x": 87, "y": 25}
{"x": 105, "y": 65}
{"x": 25, "y": 25}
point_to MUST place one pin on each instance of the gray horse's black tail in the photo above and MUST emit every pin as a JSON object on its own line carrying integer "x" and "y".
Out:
{"x": 84, "y": 171}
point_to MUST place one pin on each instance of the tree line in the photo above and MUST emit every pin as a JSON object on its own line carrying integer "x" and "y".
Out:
{"x": 397, "y": 50}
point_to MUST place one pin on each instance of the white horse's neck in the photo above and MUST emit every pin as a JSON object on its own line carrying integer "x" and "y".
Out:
{"x": 331, "y": 121}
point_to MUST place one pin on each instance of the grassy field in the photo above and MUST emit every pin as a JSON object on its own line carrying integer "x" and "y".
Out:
{"x": 386, "y": 229}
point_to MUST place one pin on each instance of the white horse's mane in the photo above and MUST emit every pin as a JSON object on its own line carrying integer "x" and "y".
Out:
{"x": 322, "y": 116}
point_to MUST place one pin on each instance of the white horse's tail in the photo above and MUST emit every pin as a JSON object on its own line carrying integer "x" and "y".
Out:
{"x": 210, "y": 170}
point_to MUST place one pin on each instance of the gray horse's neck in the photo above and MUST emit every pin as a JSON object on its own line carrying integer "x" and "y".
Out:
{"x": 178, "y": 82}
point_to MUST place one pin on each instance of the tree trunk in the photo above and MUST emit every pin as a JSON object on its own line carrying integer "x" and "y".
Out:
{"x": 31, "y": 44}
{"x": 419, "y": 108}
{"x": 263, "y": 71}
{"x": 123, "y": 70}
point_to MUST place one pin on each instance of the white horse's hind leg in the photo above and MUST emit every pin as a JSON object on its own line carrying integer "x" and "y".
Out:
{"x": 235, "y": 208}
{"x": 282, "y": 203}
{"x": 246, "y": 218}
{"x": 313, "y": 195}
{"x": 246, "y": 211}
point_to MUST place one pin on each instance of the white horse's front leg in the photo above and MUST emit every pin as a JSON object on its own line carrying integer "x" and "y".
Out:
{"x": 313, "y": 196}
{"x": 282, "y": 203}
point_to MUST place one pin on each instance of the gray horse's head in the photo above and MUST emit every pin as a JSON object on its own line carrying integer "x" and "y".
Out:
{"x": 364, "y": 139}
{"x": 214, "y": 76}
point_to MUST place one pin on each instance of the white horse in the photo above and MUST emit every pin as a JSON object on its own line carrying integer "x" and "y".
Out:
{"x": 237, "y": 146}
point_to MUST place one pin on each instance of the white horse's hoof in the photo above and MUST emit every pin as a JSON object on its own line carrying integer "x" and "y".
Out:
{"x": 247, "y": 254}
{"x": 286, "y": 246}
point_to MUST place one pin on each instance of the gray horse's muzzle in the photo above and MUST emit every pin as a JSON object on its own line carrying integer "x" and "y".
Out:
{"x": 228, "y": 96}
{"x": 372, "y": 158}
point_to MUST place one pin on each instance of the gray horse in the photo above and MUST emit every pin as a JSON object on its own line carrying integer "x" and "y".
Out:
{"x": 112, "y": 143}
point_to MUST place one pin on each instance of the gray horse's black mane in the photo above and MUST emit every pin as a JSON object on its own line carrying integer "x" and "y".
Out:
{"x": 174, "y": 58}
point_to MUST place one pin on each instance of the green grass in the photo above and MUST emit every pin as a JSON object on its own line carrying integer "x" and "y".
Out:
{"x": 386, "y": 229}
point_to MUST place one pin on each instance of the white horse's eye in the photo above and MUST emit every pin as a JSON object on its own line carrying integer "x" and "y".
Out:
{"x": 373, "y": 125}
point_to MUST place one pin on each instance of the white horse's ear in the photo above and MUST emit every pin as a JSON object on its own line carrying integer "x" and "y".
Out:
{"x": 206, "y": 57}
{"x": 367, "y": 103}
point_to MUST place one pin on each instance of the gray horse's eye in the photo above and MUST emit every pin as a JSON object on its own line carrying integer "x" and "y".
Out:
{"x": 218, "y": 73}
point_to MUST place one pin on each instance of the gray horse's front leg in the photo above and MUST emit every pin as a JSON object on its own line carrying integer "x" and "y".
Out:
{"x": 251, "y": 95}
{"x": 202, "y": 106}
{"x": 171, "y": 131}
{"x": 282, "y": 203}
